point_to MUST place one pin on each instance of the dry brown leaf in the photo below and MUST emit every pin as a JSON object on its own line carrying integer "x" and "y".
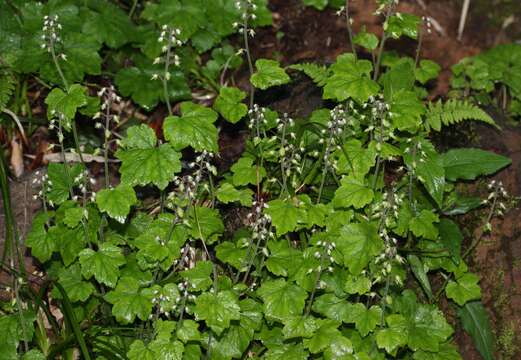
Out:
{"x": 17, "y": 158}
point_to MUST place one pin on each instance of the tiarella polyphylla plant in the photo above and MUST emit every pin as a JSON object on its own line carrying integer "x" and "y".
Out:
{"x": 169, "y": 40}
{"x": 331, "y": 237}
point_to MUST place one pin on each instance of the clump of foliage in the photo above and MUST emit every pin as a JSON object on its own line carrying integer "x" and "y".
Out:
{"x": 347, "y": 215}
{"x": 492, "y": 75}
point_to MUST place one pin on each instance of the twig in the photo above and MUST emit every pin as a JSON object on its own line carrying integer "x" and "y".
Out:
{"x": 463, "y": 18}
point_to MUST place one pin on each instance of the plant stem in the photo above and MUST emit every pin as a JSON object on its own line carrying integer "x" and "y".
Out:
{"x": 166, "y": 74}
{"x": 418, "y": 49}
{"x": 350, "y": 30}
{"x": 326, "y": 167}
{"x": 383, "y": 303}
{"x": 382, "y": 44}
{"x": 57, "y": 65}
{"x": 133, "y": 9}
{"x": 106, "y": 147}
{"x": 317, "y": 282}
{"x": 248, "y": 57}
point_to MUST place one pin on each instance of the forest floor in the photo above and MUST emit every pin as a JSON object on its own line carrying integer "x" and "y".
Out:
{"x": 304, "y": 34}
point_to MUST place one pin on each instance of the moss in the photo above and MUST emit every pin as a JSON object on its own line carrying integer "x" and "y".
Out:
{"x": 508, "y": 340}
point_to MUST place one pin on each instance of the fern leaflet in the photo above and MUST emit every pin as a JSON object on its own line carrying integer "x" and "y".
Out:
{"x": 317, "y": 73}
{"x": 453, "y": 112}
{"x": 7, "y": 84}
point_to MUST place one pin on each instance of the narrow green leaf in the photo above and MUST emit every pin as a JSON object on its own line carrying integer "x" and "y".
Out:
{"x": 420, "y": 272}
{"x": 468, "y": 164}
{"x": 476, "y": 323}
{"x": 451, "y": 237}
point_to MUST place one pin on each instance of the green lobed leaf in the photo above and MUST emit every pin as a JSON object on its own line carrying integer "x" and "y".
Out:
{"x": 350, "y": 79}
{"x": 108, "y": 24}
{"x": 447, "y": 351}
{"x": 282, "y": 300}
{"x": 323, "y": 336}
{"x": 199, "y": 277}
{"x": 229, "y": 104}
{"x": 68, "y": 241}
{"x": 464, "y": 289}
{"x": 300, "y": 326}
{"x": 217, "y": 310}
{"x": 244, "y": 172}
{"x": 194, "y": 128}
{"x": 427, "y": 329}
{"x": 139, "y": 137}
{"x": 365, "y": 319}
{"x": 206, "y": 223}
{"x": 352, "y": 192}
{"x": 17, "y": 327}
{"x": 61, "y": 177}
{"x": 360, "y": 159}
{"x": 366, "y": 40}
{"x": 136, "y": 82}
{"x": 139, "y": 351}
{"x": 188, "y": 331}
{"x": 284, "y": 260}
{"x": 394, "y": 336}
{"x": 427, "y": 70}
{"x": 129, "y": 301}
{"x": 287, "y": 351}
{"x": 153, "y": 165}
{"x": 423, "y": 225}
{"x": 66, "y": 103}
{"x": 77, "y": 289}
{"x": 285, "y": 215}
{"x": 407, "y": 111}
{"x": 229, "y": 253}
{"x": 268, "y": 74}
{"x": 226, "y": 193}
{"x": 357, "y": 285}
{"x": 358, "y": 243}
{"x": 166, "y": 349}
{"x": 102, "y": 264}
{"x": 73, "y": 216}
{"x": 42, "y": 246}
{"x": 116, "y": 202}
{"x": 402, "y": 24}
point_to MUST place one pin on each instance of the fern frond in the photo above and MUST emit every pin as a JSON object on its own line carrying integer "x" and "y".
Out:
{"x": 7, "y": 84}
{"x": 453, "y": 112}
{"x": 317, "y": 73}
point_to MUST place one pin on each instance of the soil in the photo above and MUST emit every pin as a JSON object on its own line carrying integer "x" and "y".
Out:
{"x": 303, "y": 34}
